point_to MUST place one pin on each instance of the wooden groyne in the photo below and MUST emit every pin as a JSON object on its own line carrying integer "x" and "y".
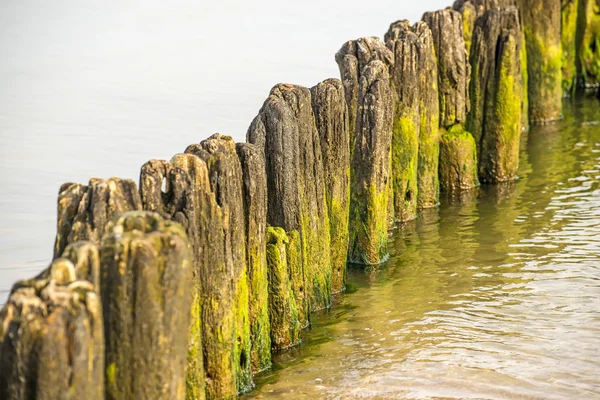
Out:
{"x": 185, "y": 285}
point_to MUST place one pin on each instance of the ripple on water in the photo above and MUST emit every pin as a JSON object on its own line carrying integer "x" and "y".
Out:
{"x": 493, "y": 296}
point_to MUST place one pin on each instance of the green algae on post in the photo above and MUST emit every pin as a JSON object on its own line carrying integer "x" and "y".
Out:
{"x": 283, "y": 310}
{"x": 589, "y": 47}
{"x": 190, "y": 200}
{"x": 146, "y": 291}
{"x": 286, "y": 131}
{"x": 458, "y": 160}
{"x": 255, "y": 212}
{"x": 50, "y": 325}
{"x": 177, "y": 201}
{"x": 495, "y": 116}
{"x": 453, "y": 69}
{"x": 293, "y": 249}
{"x": 568, "y": 31}
{"x": 404, "y": 77}
{"x": 371, "y": 163}
{"x": 541, "y": 24}
{"x": 331, "y": 117}
{"x": 225, "y": 172}
{"x": 429, "y": 112}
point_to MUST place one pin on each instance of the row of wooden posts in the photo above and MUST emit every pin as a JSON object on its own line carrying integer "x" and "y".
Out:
{"x": 185, "y": 286}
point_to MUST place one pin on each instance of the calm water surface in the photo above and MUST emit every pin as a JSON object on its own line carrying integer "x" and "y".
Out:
{"x": 495, "y": 295}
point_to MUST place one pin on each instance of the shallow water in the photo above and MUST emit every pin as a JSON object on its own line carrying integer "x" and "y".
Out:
{"x": 493, "y": 296}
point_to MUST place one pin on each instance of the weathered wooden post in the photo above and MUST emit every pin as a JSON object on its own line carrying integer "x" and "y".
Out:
{"x": 589, "y": 48}
{"x": 51, "y": 333}
{"x": 495, "y": 117}
{"x": 84, "y": 211}
{"x": 404, "y": 76}
{"x": 541, "y": 23}
{"x": 453, "y": 67}
{"x": 146, "y": 291}
{"x": 453, "y": 77}
{"x": 568, "y": 34}
{"x": 181, "y": 201}
{"x": 225, "y": 172}
{"x": 458, "y": 160}
{"x": 469, "y": 12}
{"x": 371, "y": 178}
{"x": 214, "y": 278}
{"x": 429, "y": 126}
{"x": 283, "y": 310}
{"x": 352, "y": 58}
{"x": 331, "y": 117}
{"x": 293, "y": 250}
{"x": 286, "y": 132}
{"x": 255, "y": 213}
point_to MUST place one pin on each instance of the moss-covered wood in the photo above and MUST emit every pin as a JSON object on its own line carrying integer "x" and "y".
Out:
{"x": 293, "y": 250}
{"x": 589, "y": 46}
{"x": 255, "y": 212}
{"x": 286, "y": 132}
{"x": 404, "y": 76}
{"x": 568, "y": 34}
{"x": 453, "y": 67}
{"x": 541, "y": 23}
{"x": 146, "y": 291}
{"x": 469, "y": 12}
{"x": 458, "y": 160}
{"x": 283, "y": 310}
{"x": 214, "y": 279}
{"x": 180, "y": 200}
{"x": 51, "y": 333}
{"x": 331, "y": 117}
{"x": 84, "y": 211}
{"x": 429, "y": 115}
{"x": 225, "y": 173}
{"x": 495, "y": 116}
{"x": 371, "y": 163}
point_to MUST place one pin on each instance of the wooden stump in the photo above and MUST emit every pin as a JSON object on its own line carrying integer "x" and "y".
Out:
{"x": 51, "y": 333}
{"x": 84, "y": 211}
{"x": 429, "y": 111}
{"x": 495, "y": 117}
{"x": 283, "y": 310}
{"x": 352, "y": 58}
{"x": 404, "y": 76}
{"x": 225, "y": 172}
{"x": 293, "y": 250}
{"x": 453, "y": 67}
{"x": 568, "y": 35}
{"x": 331, "y": 117}
{"x": 146, "y": 290}
{"x": 286, "y": 132}
{"x": 458, "y": 161}
{"x": 371, "y": 163}
{"x": 255, "y": 212}
{"x": 589, "y": 47}
{"x": 541, "y": 24}
{"x": 179, "y": 200}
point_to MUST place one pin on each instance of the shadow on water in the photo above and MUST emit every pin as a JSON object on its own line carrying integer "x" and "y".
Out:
{"x": 487, "y": 296}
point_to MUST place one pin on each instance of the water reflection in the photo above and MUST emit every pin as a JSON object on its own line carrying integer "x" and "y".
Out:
{"x": 493, "y": 295}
